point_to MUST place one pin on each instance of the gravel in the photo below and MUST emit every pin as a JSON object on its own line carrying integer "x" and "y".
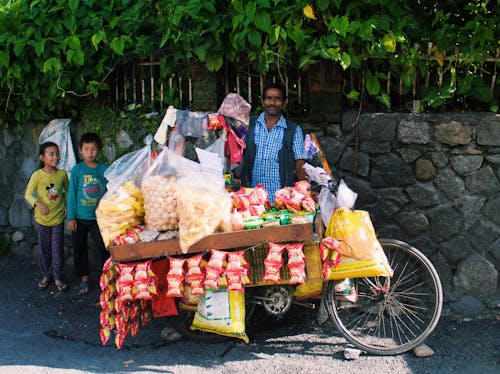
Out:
{"x": 52, "y": 332}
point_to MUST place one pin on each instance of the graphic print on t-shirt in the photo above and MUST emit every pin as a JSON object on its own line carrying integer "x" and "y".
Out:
{"x": 92, "y": 190}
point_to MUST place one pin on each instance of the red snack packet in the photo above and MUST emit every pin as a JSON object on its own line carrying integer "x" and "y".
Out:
{"x": 294, "y": 202}
{"x": 271, "y": 272}
{"x": 174, "y": 283}
{"x": 257, "y": 209}
{"x": 162, "y": 306}
{"x": 216, "y": 259}
{"x": 234, "y": 281}
{"x": 309, "y": 204}
{"x": 126, "y": 273}
{"x": 302, "y": 186}
{"x": 141, "y": 290}
{"x": 235, "y": 260}
{"x": 296, "y": 254}
{"x": 212, "y": 276}
{"x": 281, "y": 197}
{"x": 261, "y": 193}
{"x": 297, "y": 273}
{"x": 104, "y": 333}
{"x": 176, "y": 266}
{"x": 146, "y": 312}
{"x": 193, "y": 265}
{"x": 275, "y": 253}
{"x": 134, "y": 327}
{"x": 196, "y": 284}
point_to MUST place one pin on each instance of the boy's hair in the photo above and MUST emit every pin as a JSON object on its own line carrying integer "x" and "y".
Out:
{"x": 90, "y": 137}
{"x": 43, "y": 147}
{"x": 276, "y": 85}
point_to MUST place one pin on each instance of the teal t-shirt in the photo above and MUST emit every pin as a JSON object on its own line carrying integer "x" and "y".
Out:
{"x": 86, "y": 187}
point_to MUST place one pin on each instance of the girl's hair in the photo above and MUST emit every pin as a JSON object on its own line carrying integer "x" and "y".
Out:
{"x": 43, "y": 147}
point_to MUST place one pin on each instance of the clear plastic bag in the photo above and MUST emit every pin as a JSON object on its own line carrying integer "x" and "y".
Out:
{"x": 346, "y": 198}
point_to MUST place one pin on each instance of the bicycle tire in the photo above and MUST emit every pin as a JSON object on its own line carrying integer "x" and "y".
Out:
{"x": 182, "y": 323}
{"x": 397, "y": 318}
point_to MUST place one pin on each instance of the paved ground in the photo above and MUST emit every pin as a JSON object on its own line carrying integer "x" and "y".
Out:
{"x": 50, "y": 332}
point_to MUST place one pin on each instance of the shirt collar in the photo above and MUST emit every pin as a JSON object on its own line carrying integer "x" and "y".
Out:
{"x": 262, "y": 120}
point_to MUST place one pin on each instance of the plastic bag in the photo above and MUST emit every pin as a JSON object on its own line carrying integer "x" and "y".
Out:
{"x": 346, "y": 198}
{"x": 203, "y": 202}
{"x": 122, "y": 206}
{"x": 129, "y": 167}
{"x": 221, "y": 312}
{"x": 327, "y": 202}
{"x": 354, "y": 231}
{"x": 58, "y": 131}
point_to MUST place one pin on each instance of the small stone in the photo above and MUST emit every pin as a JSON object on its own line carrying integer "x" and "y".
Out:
{"x": 17, "y": 236}
{"x": 351, "y": 353}
{"x": 423, "y": 350}
{"x": 170, "y": 335}
{"x": 467, "y": 319}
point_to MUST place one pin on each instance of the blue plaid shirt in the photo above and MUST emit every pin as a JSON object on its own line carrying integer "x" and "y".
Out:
{"x": 266, "y": 169}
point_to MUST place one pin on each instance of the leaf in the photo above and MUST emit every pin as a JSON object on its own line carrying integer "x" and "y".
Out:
{"x": 18, "y": 48}
{"x": 117, "y": 45}
{"x": 262, "y": 21}
{"x": 73, "y": 5}
{"x": 201, "y": 51}
{"x": 309, "y": 12}
{"x": 340, "y": 25}
{"x": 322, "y": 4}
{"x": 254, "y": 38}
{"x": 297, "y": 35}
{"x": 4, "y": 58}
{"x": 274, "y": 34}
{"x": 389, "y": 42}
{"x": 73, "y": 42}
{"x": 353, "y": 95}
{"x": 250, "y": 10}
{"x": 97, "y": 38}
{"x": 345, "y": 60}
{"x": 372, "y": 84}
{"x": 385, "y": 99}
{"x": 214, "y": 61}
{"x": 52, "y": 64}
{"x": 79, "y": 57}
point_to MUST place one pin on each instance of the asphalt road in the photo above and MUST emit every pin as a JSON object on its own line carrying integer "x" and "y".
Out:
{"x": 51, "y": 332}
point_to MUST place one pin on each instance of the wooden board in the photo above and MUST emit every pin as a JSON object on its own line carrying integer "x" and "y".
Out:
{"x": 221, "y": 241}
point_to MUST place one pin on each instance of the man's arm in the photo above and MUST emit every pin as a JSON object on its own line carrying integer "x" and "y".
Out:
{"x": 299, "y": 170}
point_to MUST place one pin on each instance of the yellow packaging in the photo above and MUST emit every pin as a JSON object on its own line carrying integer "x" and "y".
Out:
{"x": 353, "y": 268}
{"x": 355, "y": 233}
{"x": 314, "y": 282}
{"x": 221, "y": 312}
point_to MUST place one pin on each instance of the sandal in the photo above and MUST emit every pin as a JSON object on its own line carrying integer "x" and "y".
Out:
{"x": 61, "y": 286}
{"x": 84, "y": 287}
{"x": 43, "y": 284}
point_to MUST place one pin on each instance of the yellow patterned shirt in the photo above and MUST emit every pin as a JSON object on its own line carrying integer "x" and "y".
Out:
{"x": 51, "y": 190}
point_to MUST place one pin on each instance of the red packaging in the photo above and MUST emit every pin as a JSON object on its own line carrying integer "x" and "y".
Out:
{"x": 176, "y": 266}
{"x": 193, "y": 265}
{"x": 297, "y": 273}
{"x": 275, "y": 253}
{"x": 216, "y": 259}
{"x": 234, "y": 280}
{"x": 296, "y": 254}
{"x": 302, "y": 186}
{"x": 174, "y": 283}
{"x": 162, "y": 306}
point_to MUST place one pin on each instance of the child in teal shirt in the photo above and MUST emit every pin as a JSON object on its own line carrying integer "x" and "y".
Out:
{"x": 86, "y": 187}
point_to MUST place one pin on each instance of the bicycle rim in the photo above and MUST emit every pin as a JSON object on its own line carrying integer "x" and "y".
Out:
{"x": 391, "y": 315}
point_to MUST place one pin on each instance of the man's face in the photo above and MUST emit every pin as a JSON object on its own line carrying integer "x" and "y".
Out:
{"x": 273, "y": 101}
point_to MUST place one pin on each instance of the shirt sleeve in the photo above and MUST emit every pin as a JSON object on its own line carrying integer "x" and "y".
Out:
{"x": 29, "y": 195}
{"x": 298, "y": 144}
{"x": 73, "y": 185}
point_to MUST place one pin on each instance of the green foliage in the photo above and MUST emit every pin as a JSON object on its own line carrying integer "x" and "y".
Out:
{"x": 54, "y": 53}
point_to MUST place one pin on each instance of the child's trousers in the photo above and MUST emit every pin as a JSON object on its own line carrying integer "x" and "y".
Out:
{"x": 51, "y": 250}
{"x": 80, "y": 247}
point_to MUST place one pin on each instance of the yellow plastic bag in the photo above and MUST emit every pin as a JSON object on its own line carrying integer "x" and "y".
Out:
{"x": 353, "y": 268}
{"x": 355, "y": 233}
{"x": 221, "y": 312}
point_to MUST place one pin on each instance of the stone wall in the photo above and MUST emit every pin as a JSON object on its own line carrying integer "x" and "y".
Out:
{"x": 431, "y": 180}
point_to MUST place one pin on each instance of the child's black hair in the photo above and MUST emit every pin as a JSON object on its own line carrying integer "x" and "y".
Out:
{"x": 42, "y": 149}
{"x": 90, "y": 137}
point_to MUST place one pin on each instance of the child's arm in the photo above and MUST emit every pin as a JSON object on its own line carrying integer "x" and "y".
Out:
{"x": 29, "y": 195}
{"x": 71, "y": 202}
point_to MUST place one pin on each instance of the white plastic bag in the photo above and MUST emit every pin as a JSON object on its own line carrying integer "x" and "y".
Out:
{"x": 346, "y": 198}
{"x": 327, "y": 202}
{"x": 58, "y": 131}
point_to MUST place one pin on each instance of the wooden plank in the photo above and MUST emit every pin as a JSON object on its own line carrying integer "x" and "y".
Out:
{"x": 221, "y": 241}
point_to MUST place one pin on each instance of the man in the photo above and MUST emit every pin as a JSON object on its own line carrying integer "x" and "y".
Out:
{"x": 274, "y": 154}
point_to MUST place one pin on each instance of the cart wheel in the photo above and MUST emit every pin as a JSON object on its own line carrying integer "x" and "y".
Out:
{"x": 182, "y": 323}
{"x": 392, "y": 315}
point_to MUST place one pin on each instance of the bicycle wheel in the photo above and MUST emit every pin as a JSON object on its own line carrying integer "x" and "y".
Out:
{"x": 391, "y": 315}
{"x": 182, "y": 323}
